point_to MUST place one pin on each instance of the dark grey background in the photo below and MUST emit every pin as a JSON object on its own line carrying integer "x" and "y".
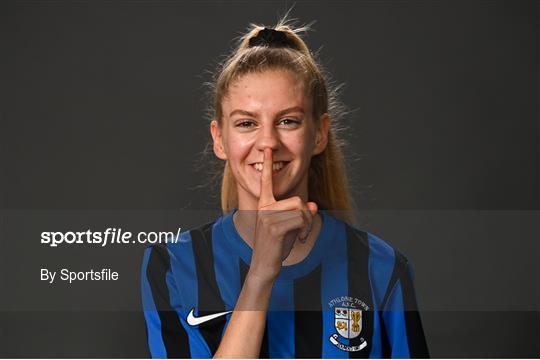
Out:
{"x": 102, "y": 123}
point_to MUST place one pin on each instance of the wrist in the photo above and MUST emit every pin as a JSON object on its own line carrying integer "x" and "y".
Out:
{"x": 257, "y": 282}
{"x": 255, "y": 294}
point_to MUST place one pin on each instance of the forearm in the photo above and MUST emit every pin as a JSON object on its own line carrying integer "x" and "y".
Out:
{"x": 245, "y": 330}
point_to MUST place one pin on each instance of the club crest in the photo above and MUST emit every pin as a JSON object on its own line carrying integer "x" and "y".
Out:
{"x": 348, "y": 322}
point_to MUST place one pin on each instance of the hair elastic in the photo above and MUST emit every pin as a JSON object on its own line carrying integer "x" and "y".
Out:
{"x": 269, "y": 37}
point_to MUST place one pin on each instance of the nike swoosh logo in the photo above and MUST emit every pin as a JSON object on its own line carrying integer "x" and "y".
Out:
{"x": 194, "y": 321}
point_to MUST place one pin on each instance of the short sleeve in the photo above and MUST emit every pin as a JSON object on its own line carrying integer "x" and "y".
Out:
{"x": 168, "y": 335}
{"x": 401, "y": 318}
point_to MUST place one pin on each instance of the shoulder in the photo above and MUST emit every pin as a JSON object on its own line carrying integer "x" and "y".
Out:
{"x": 177, "y": 246}
{"x": 380, "y": 251}
{"x": 385, "y": 262}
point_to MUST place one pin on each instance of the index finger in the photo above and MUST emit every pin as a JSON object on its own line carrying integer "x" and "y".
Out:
{"x": 267, "y": 195}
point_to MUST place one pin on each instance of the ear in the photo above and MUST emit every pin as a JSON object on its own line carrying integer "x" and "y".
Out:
{"x": 217, "y": 136}
{"x": 321, "y": 139}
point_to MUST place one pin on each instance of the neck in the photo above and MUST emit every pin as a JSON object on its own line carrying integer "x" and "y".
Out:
{"x": 245, "y": 222}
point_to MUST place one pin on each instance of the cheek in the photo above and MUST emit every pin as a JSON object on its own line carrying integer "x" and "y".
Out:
{"x": 237, "y": 148}
{"x": 300, "y": 144}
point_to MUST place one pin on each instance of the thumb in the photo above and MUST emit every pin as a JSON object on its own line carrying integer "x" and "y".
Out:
{"x": 312, "y": 207}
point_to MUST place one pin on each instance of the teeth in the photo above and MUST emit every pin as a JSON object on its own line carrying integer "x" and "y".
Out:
{"x": 275, "y": 166}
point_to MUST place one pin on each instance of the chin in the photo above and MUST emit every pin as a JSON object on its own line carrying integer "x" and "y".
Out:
{"x": 278, "y": 195}
{"x": 284, "y": 195}
{"x": 284, "y": 191}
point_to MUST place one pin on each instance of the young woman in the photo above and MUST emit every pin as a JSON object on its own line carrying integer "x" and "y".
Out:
{"x": 282, "y": 273}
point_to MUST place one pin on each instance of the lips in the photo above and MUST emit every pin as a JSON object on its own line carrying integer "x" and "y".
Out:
{"x": 277, "y": 166}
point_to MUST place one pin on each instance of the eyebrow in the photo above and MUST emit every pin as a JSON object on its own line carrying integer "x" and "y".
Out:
{"x": 282, "y": 112}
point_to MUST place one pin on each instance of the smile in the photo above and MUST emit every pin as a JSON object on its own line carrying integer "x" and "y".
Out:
{"x": 276, "y": 166}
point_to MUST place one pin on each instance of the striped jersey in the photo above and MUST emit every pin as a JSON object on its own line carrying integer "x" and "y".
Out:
{"x": 351, "y": 297}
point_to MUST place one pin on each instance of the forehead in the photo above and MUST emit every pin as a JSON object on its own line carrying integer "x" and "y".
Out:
{"x": 268, "y": 91}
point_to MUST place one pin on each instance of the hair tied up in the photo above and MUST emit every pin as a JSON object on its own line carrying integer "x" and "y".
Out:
{"x": 269, "y": 37}
{"x": 280, "y": 47}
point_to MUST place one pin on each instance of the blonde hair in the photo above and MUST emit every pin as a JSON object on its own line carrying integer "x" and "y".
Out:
{"x": 327, "y": 180}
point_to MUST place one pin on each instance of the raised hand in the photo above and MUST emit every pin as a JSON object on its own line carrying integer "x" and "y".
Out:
{"x": 279, "y": 225}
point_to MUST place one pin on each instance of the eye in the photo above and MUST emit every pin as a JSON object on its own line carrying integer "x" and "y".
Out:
{"x": 289, "y": 122}
{"x": 245, "y": 124}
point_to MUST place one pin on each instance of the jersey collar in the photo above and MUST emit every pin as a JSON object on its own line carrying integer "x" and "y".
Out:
{"x": 290, "y": 272}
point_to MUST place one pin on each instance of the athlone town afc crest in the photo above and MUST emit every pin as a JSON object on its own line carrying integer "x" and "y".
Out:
{"x": 348, "y": 322}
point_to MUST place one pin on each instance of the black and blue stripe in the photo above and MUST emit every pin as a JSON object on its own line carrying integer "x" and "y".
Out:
{"x": 206, "y": 269}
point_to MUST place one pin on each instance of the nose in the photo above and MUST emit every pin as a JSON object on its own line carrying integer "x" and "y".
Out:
{"x": 267, "y": 137}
